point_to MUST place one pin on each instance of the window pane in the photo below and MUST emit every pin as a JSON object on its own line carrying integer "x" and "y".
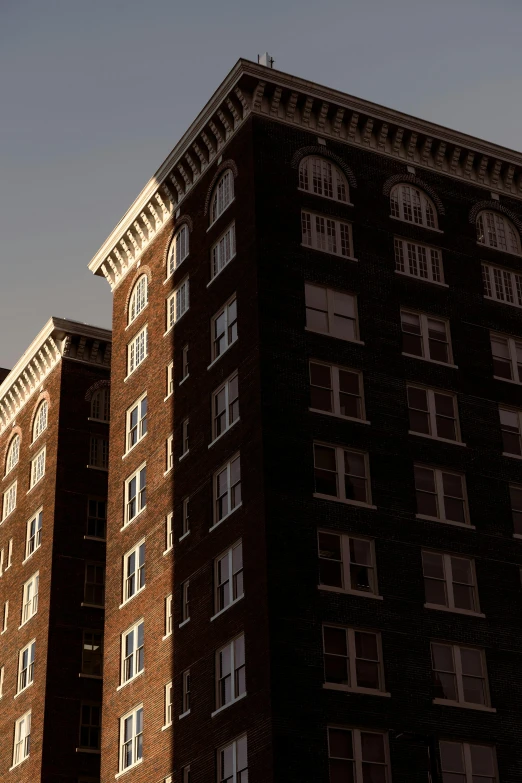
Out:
{"x": 372, "y": 747}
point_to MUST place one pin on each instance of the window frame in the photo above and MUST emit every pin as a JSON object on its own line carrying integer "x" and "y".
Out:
{"x": 184, "y": 363}
{"x": 335, "y": 390}
{"x": 40, "y": 426}
{"x": 185, "y": 693}
{"x": 97, "y": 519}
{"x": 518, "y": 488}
{"x": 424, "y": 336}
{"x": 22, "y": 739}
{"x": 508, "y": 227}
{"x": 30, "y": 649}
{"x": 226, "y": 200}
{"x": 141, "y": 426}
{"x": 432, "y": 413}
{"x": 139, "y": 299}
{"x": 512, "y": 344}
{"x": 307, "y": 178}
{"x": 357, "y": 761}
{"x": 98, "y": 567}
{"x": 99, "y": 449}
{"x": 227, "y": 466}
{"x": 518, "y": 413}
{"x": 136, "y": 657}
{"x": 233, "y": 675}
{"x": 185, "y": 602}
{"x": 138, "y": 576}
{"x": 13, "y": 447}
{"x": 173, "y": 262}
{"x": 140, "y": 490}
{"x": 230, "y": 581}
{"x": 500, "y": 280}
{"x": 170, "y": 380}
{"x": 466, "y": 757}
{"x": 169, "y": 532}
{"x": 176, "y": 310}
{"x": 217, "y": 253}
{"x": 225, "y": 386}
{"x": 439, "y": 492}
{"x": 37, "y": 517}
{"x": 185, "y": 444}
{"x": 330, "y": 313}
{"x": 37, "y": 467}
{"x": 229, "y": 325}
{"x": 426, "y": 256}
{"x": 168, "y": 706}
{"x": 102, "y": 398}
{"x": 90, "y": 706}
{"x": 448, "y": 581}
{"x": 9, "y": 499}
{"x": 169, "y": 615}
{"x": 185, "y": 519}
{"x": 352, "y": 661}
{"x": 458, "y": 675}
{"x": 140, "y": 337}
{"x": 426, "y": 205}
{"x": 344, "y": 547}
{"x": 237, "y": 775}
{"x": 339, "y": 463}
{"x": 135, "y": 737}
{"x": 86, "y": 642}
{"x": 30, "y": 600}
{"x": 311, "y": 238}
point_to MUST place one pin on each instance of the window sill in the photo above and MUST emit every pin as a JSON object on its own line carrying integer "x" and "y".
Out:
{"x": 498, "y": 250}
{"x": 166, "y": 726}
{"x": 464, "y": 705}
{"x": 31, "y": 555}
{"x": 358, "y": 503}
{"x": 421, "y": 279}
{"x": 235, "y": 601}
{"x": 453, "y": 610}
{"x": 513, "y": 456}
{"x": 445, "y": 521}
{"x": 131, "y": 521}
{"x": 128, "y": 769}
{"x": 167, "y": 636}
{"x": 330, "y": 686}
{"x": 183, "y": 714}
{"x": 507, "y": 380}
{"x": 329, "y": 253}
{"x": 97, "y": 467}
{"x": 183, "y": 537}
{"x": 11, "y": 512}
{"x": 128, "y": 600}
{"x": 135, "y": 369}
{"x": 94, "y": 538}
{"x": 498, "y": 301}
{"x": 517, "y": 535}
{"x": 167, "y": 551}
{"x": 136, "y": 318}
{"x": 339, "y": 416}
{"x": 217, "y": 524}
{"x": 213, "y": 362}
{"x": 19, "y": 693}
{"x": 184, "y": 622}
{"x": 22, "y": 624}
{"x": 223, "y": 433}
{"x": 15, "y": 766}
{"x": 90, "y": 676}
{"x": 184, "y": 379}
{"x": 220, "y": 215}
{"x": 229, "y": 704}
{"x": 327, "y": 198}
{"x": 88, "y": 750}
{"x": 436, "y": 437}
{"x": 36, "y": 484}
{"x": 327, "y": 334}
{"x": 100, "y": 421}
{"x": 360, "y": 593}
{"x": 92, "y": 606}
{"x": 431, "y": 361}
{"x": 127, "y": 682}
{"x": 184, "y": 455}
{"x": 416, "y": 225}
{"x": 221, "y": 270}
{"x": 129, "y": 451}
{"x": 169, "y": 470}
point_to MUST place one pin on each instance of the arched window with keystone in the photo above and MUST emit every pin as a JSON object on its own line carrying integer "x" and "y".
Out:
{"x": 40, "y": 420}
{"x": 223, "y": 195}
{"x": 497, "y": 231}
{"x": 139, "y": 297}
{"x": 323, "y": 178}
{"x": 412, "y": 205}
{"x": 13, "y": 454}
{"x": 178, "y": 250}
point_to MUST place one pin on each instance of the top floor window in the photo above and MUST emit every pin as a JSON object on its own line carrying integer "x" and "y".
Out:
{"x": 139, "y": 297}
{"x": 100, "y": 404}
{"x": 223, "y": 196}
{"x": 412, "y": 205}
{"x": 323, "y": 178}
{"x": 13, "y": 454}
{"x": 495, "y": 230}
{"x": 179, "y": 249}
{"x": 40, "y": 421}
{"x": 137, "y": 350}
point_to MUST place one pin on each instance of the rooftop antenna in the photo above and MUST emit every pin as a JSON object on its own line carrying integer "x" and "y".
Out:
{"x": 266, "y": 60}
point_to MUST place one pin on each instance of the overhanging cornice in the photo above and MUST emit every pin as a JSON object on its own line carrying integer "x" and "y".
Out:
{"x": 252, "y": 88}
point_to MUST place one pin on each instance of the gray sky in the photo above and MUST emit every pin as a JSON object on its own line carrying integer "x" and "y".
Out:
{"x": 95, "y": 93}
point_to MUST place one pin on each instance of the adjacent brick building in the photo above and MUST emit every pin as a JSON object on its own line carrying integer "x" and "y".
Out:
{"x": 315, "y": 495}
{"x": 54, "y": 411}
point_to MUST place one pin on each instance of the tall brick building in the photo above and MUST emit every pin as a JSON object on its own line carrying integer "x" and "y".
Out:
{"x": 315, "y": 495}
{"x": 54, "y": 411}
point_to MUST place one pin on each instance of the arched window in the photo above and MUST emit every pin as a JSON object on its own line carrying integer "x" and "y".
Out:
{"x": 40, "y": 422}
{"x": 414, "y": 206}
{"x": 179, "y": 249}
{"x": 100, "y": 404}
{"x": 139, "y": 297}
{"x": 320, "y": 176}
{"x": 495, "y": 230}
{"x": 13, "y": 454}
{"x": 223, "y": 195}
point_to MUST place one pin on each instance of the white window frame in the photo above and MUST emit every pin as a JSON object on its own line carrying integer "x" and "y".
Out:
{"x": 339, "y": 463}
{"x": 169, "y": 615}
{"x": 236, "y": 773}
{"x": 516, "y": 413}
{"x": 420, "y": 213}
{"x": 184, "y": 363}
{"x": 330, "y": 313}
{"x": 185, "y": 602}
{"x": 335, "y": 389}
{"x": 502, "y": 285}
{"x": 2, "y": 674}
{"x": 491, "y": 225}
{"x": 329, "y": 178}
{"x": 1, "y": 562}
{"x": 138, "y": 497}
{"x": 178, "y": 303}
{"x": 41, "y": 419}
{"x": 13, "y": 454}
{"x": 419, "y": 261}
{"x": 357, "y": 750}
{"x": 141, "y": 422}
{"x": 99, "y": 452}
{"x": 335, "y": 238}
{"x": 101, "y": 404}
{"x": 5, "y": 616}
{"x": 22, "y": 739}
{"x": 139, "y": 298}
{"x": 223, "y": 196}
{"x": 229, "y": 491}
{"x": 185, "y": 446}
{"x": 9, "y": 500}
{"x": 135, "y": 656}
{"x": 30, "y": 592}
{"x": 136, "y": 577}
{"x": 466, "y": 755}
{"x": 37, "y": 518}
{"x": 448, "y": 582}
{"x": 432, "y": 416}
{"x": 512, "y": 345}
{"x": 134, "y": 739}
{"x": 345, "y": 562}
{"x": 424, "y": 336}
{"x": 168, "y": 705}
{"x": 26, "y": 673}
{"x": 228, "y": 326}
{"x": 185, "y": 693}
{"x": 439, "y": 491}
{"x": 352, "y": 659}
{"x": 137, "y": 350}
{"x": 9, "y": 554}
{"x": 185, "y": 520}
{"x": 458, "y": 674}
{"x": 170, "y": 379}
{"x": 169, "y": 532}
{"x": 230, "y": 587}
{"x": 225, "y": 386}
{"x": 223, "y": 251}
{"x": 179, "y": 249}
{"x": 235, "y": 693}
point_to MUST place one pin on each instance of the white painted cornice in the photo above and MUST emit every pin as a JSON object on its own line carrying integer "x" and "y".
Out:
{"x": 47, "y": 349}
{"x": 252, "y": 88}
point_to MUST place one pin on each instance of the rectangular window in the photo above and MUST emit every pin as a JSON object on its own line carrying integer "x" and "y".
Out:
{"x": 136, "y": 422}
{"x": 1, "y": 562}
{"x": 22, "y": 738}
{"x": 185, "y": 686}
{"x": 441, "y": 495}
{"x": 450, "y": 581}
{"x": 426, "y": 337}
{"x": 507, "y": 358}
{"x": 169, "y": 456}
{"x": 137, "y": 350}
{"x": 132, "y": 652}
{"x": 2, "y": 672}
{"x": 331, "y": 312}
{"x": 462, "y": 762}
{"x": 342, "y": 474}
{"x": 433, "y": 413}
{"x": 38, "y": 467}
{"x": 169, "y": 531}
{"x": 227, "y": 489}
{"x": 327, "y": 234}
{"x": 170, "y": 379}
{"x": 185, "y": 775}
{"x": 420, "y": 261}
{"x": 90, "y": 726}
{"x": 131, "y": 738}
{"x": 168, "y": 615}
{"x": 225, "y": 406}
{"x": 223, "y": 251}
{"x": 358, "y": 756}
{"x": 97, "y": 518}
{"x": 186, "y": 517}
{"x": 99, "y": 453}
{"x": 92, "y": 653}
{"x": 134, "y": 571}
{"x": 347, "y": 563}
{"x": 224, "y": 328}
{"x": 459, "y": 674}
{"x": 168, "y": 704}
{"x": 9, "y": 554}
{"x": 233, "y": 762}
{"x": 511, "y": 427}
{"x": 135, "y": 493}
{"x": 230, "y": 672}
{"x": 352, "y": 659}
{"x": 184, "y": 437}
{"x": 515, "y": 494}
{"x": 94, "y": 593}
{"x": 9, "y": 500}
{"x": 228, "y": 577}
{"x": 5, "y": 616}
{"x": 336, "y": 390}
{"x": 178, "y": 303}
{"x": 30, "y": 598}
{"x": 26, "y": 666}
{"x": 34, "y": 534}
{"x": 185, "y": 601}
{"x": 184, "y": 362}
{"x": 502, "y": 285}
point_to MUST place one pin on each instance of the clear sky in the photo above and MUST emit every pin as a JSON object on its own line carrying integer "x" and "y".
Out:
{"x": 95, "y": 93}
